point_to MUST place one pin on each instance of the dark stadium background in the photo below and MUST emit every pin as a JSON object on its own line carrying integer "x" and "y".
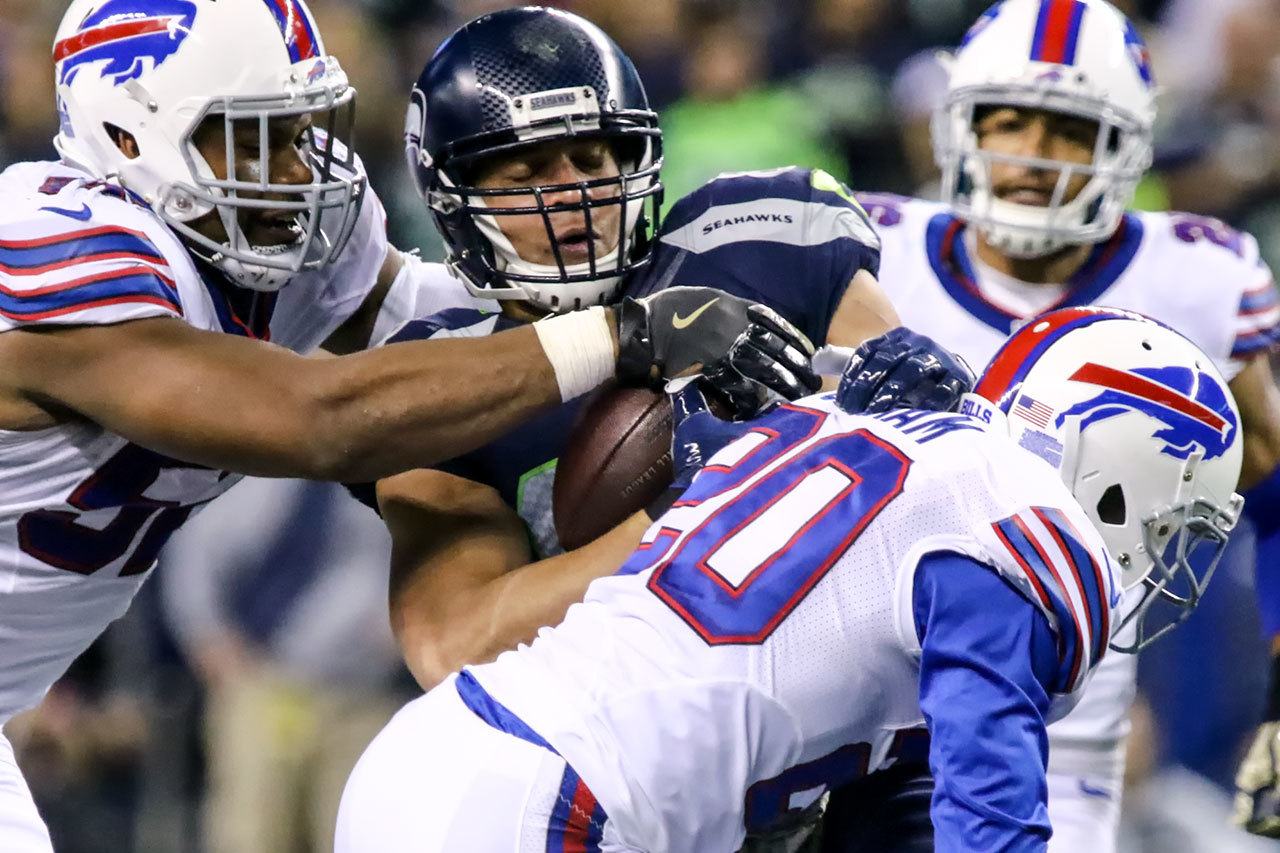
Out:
{"x": 116, "y": 756}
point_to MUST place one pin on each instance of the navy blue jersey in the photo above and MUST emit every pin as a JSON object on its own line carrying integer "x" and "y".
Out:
{"x": 789, "y": 238}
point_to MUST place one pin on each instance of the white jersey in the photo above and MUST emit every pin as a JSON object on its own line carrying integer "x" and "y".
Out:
{"x": 83, "y": 512}
{"x": 690, "y": 692}
{"x": 1193, "y": 274}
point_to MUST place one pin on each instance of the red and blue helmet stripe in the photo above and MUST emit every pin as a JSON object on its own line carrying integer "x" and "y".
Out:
{"x": 1057, "y": 31}
{"x": 296, "y": 27}
{"x": 1013, "y": 361}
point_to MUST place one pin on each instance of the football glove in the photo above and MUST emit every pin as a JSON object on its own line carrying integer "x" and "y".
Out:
{"x": 902, "y": 369}
{"x": 747, "y": 352}
{"x": 697, "y": 434}
{"x": 1257, "y": 805}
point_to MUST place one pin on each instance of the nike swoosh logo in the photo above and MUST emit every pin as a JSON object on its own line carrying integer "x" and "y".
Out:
{"x": 82, "y": 214}
{"x": 684, "y": 322}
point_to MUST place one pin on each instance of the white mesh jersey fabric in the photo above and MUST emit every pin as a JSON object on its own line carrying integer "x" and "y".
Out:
{"x": 671, "y": 726}
{"x": 1193, "y": 274}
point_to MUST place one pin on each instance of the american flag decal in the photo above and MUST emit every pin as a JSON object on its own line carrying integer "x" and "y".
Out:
{"x": 1033, "y": 410}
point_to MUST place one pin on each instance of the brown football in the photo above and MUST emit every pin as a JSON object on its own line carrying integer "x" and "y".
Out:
{"x": 617, "y": 461}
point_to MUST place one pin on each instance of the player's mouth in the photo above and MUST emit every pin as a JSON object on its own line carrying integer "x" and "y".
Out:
{"x": 577, "y": 244}
{"x": 1026, "y": 195}
{"x": 275, "y": 231}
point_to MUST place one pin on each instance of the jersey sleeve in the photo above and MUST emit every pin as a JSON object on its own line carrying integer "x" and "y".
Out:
{"x": 316, "y": 302}
{"x": 789, "y": 238}
{"x": 422, "y": 289}
{"x": 988, "y": 660}
{"x": 65, "y": 265}
{"x": 1068, "y": 576}
{"x": 1257, "y": 324}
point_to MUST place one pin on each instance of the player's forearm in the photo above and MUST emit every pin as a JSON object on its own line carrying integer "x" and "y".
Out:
{"x": 1255, "y": 391}
{"x": 539, "y": 594}
{"x": 411, "y": 405}
{"x": 986, "y": 654}
{"x": 492, "y": 609}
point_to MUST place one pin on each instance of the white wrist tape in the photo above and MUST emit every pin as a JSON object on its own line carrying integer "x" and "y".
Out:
{"x": 580, "y": 349}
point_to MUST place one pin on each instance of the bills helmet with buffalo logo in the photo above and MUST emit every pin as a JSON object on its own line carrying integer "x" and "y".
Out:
{"x": 154, "y": 71}
{"x": 1079, "y": 58}
{"x": 1144, "y": 431}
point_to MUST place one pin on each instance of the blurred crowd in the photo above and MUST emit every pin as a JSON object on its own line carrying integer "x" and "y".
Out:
{"x": 271, "y": 641}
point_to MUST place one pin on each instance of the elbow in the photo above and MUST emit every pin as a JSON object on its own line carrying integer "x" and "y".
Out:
{"x": 432, "y": 650}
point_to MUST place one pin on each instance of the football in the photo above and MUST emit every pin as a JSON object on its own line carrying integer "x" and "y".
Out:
{"x": 617, "y": 460}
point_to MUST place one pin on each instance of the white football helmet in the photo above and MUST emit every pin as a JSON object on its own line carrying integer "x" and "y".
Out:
{"x": 1145, "y": 433}
{"x": 1079, "y": 57}
{"x": 158, "y": 68}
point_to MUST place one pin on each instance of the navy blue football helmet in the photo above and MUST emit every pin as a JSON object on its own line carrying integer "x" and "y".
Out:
{"x": 518, "y": 78}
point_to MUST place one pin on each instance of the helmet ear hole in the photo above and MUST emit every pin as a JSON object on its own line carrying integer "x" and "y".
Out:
{"x": 1111, "y": 506}
{"x": 123, "y": 139}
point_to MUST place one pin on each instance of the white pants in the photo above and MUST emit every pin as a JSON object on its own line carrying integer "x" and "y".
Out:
{"x": 21, "y": 829}
{"x": 1086, "y": 761}
{"x": 438, "y": 778}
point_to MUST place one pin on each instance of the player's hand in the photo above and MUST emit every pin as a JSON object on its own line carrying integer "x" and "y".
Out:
{"x": 697, "y": 434}
{"x": 1257, "y": 806}
{"x": 745, "y": 349}
{"x": 902, "y": 369}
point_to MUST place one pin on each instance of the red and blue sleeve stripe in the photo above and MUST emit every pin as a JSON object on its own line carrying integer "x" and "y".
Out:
{"x": 40, "y": 255}
{"x": 1039, "y": 572}
{"x": 296, "y": 27}
{"x": 577, "y": 822}
{"x": 1057, "y": 31}
{"x": 134, "y": 284}
{"x": 1085, "y": 572}
{"x": 1259, "y": 316}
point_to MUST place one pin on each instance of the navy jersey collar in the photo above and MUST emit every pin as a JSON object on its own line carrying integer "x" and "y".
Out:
{"x": 240, "y": 311}
{"x": 944, "y": 245}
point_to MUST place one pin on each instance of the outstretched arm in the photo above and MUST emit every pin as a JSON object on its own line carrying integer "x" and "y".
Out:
{"x": 250, "y": 407}
{"x": 986, "y": 657}
{"x": 255, "y": 408}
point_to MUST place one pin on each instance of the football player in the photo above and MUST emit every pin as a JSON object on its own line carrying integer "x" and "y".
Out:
{"x": 150, "y": 346}
{"x": 538, "y": 155}
{"x": 1044, "y": 133}
{"x": 830, "y": 585}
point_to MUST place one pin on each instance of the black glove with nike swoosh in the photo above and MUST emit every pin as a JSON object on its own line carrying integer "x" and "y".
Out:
{"x": 745, "y": 349}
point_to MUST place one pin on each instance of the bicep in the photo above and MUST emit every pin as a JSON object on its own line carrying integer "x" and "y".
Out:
{"x": 203, "y": 397}
{"x": 1254, "y": 389}
{"x": 986, "y": 656}
{"x": 864, "y": 312}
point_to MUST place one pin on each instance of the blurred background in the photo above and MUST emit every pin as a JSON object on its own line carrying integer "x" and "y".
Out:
{"x": 224, "y": 712}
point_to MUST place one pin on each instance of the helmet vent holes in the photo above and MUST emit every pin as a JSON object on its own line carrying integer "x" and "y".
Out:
{"x": 1111, "y": 506}
{"x": 1146, "y": 345}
